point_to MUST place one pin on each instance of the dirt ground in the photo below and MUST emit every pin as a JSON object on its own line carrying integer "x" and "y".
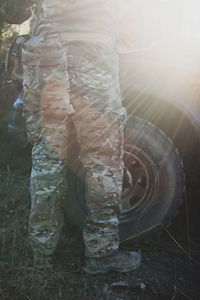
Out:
{"x": 168, "y": 271}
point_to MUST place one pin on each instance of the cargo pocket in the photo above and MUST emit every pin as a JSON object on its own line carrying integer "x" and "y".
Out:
{"x": 46, "y": 81}
{"x": 115, "y": 121}
{"x": 117, "y": 118}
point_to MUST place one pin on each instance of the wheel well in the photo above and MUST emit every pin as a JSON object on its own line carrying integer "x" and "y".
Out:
{"x": 173, "y": 122}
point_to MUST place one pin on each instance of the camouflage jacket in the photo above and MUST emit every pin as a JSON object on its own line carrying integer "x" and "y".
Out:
{"x": 78, "y": 19}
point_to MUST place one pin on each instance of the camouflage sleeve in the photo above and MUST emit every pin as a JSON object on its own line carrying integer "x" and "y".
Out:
{"x": 15, "y": 11}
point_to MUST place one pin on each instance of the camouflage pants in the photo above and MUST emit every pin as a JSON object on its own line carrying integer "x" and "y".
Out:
{"x": 76, "y": 81}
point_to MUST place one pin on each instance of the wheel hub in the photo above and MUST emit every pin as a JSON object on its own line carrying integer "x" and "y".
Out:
{"x": 141, "y": 181}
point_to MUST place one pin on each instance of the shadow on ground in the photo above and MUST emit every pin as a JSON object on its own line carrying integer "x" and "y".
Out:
{"x": 167, "y": 271}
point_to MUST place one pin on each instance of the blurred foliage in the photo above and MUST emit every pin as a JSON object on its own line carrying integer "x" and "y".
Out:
{"x": 7, "y": 36}
{"x": 9, "y": 89}
{"x": 12, "y": 12}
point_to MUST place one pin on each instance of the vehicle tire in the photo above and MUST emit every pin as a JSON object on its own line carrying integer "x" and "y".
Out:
{"x": 153, "y": 180}
{"x": 153, "y": 184}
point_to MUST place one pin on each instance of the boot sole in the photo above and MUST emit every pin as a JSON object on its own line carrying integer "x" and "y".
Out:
{"x": 114, "y": 269}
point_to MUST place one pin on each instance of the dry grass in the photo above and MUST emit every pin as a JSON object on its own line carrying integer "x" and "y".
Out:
{"x": 166, "y": 272}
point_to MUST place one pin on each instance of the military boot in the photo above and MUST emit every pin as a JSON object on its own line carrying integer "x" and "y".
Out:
{"x": 122, "y": 261}
{"x": 43, "y": 261}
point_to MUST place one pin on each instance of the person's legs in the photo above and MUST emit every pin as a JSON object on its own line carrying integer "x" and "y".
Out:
{"x": 47, "y": 187}
{"x": 99, "y": 122}
{"x": 46, "y": 106}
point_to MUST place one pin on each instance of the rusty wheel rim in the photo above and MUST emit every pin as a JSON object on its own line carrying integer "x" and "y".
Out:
{"x": 141, "y": 182}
